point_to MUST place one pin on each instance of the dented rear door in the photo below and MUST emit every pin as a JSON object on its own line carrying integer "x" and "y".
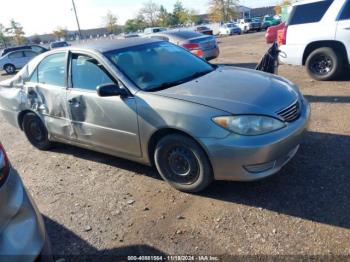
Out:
{"x": 46, "y": 94}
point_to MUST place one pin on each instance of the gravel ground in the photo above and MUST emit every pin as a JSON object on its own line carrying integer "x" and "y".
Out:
{"x": 101, "y": 205}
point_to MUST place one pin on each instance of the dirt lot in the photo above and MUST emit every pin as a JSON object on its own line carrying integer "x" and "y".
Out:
{"x": 97, "y": 204}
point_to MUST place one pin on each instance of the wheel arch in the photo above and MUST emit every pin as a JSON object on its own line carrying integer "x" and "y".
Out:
{"x": 159, "y": 134}
{"x": 336, "y": 45}
{"x": 21, "y": 116}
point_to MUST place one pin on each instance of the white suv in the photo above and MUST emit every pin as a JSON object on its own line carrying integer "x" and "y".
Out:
{"x": 317, "y": 35}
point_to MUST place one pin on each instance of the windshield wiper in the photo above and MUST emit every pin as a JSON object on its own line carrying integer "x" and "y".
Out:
{"x": 179, "y": 82}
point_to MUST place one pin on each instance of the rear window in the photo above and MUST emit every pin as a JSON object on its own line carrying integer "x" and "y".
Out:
{"x": 309, "y": 13}
{"x": 186, "y": 34}
{"x": 345, "y": 15}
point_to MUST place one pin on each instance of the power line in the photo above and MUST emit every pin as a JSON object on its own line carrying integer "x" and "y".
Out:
{"x": 76, "y": 17}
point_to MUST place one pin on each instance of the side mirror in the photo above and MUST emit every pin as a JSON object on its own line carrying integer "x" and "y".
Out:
{"x": 110, "y": 90}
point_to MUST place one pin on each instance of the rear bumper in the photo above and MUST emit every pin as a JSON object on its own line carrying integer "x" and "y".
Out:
{"x": 247, "y": 158}
{"x": 291, "y": 54}
{"x": 22, "y": 233}
{"x": 211, "y": 54}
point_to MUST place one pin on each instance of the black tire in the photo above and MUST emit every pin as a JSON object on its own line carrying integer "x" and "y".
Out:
{"x": 9, "y": 69}
{"x": 183, "y": 163}
{"x": 324, "y": 64}
{"x": 36, "y": 132}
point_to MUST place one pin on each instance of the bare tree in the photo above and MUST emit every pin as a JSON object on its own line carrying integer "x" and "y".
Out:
{"x": 223, "y": 10}
{"x": 15, "y": 31}
{"x": 3, "y": 38}
{"x": 150, "y": 13}
{"x": 60, "y": 33}
{"x": 111, "y": 22}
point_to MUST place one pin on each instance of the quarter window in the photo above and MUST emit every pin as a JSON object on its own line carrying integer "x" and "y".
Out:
{"x": 51, "y": 70}
{"x": 345, "y": 15}
{"x": 309, "y": 13}
{"x": 88, "y": 73}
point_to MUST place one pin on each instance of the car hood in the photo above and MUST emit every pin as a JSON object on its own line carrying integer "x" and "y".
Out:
{"x": 237, "y": 91}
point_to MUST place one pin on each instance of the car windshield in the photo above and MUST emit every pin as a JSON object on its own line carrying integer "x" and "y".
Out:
{"x": 59, "y": 44}
{"x": 157, "y": 30}
{"x": 247, "y": 20}
{"x": 230, "y": 25}
{"x": 159, "y": 65}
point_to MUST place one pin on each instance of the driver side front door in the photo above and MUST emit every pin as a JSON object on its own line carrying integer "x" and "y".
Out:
{"x": 107, "y": 124}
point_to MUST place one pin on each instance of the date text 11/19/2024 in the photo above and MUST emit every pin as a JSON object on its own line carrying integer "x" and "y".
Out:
{"x": 173, "y": 258}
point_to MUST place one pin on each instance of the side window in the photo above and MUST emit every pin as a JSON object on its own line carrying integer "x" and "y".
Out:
{"x": 15, "y": 55}
{"x": 345, "y": 15}
{"x": 51, "y": 70}
{"x": 37, "y": 49}
{"x": 34, "y": 77}
{"x": 29, "y": 54}
{"x": 87, "y": 73}
{"x": 309, "y": 13}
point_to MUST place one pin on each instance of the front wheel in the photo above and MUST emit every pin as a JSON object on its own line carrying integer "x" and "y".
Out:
{"x": 36, "y": 132}
{"x": 10, "y": 69}
{"x": 324, "y": 64}
{"x": 183, "y": 163}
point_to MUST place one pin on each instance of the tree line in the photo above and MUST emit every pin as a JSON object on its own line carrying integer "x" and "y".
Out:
{"x": 152, "y": 14}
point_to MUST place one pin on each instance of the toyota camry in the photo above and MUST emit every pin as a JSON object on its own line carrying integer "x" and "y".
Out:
{"x": 156, "y": 103}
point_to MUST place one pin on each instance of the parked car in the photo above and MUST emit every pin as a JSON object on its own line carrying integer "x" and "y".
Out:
{"x": 16, "y": 60}
{"x": 36, "y": 48}
{"x": 270, "y": 21}
{"x": 22, "y": 233}
{"x": 152, "y": 30}
{"x": 58, "y": 44}
{"x": 230, "y": 29}
{"x": 317, "y": 36}
{"x": 248, "y": 25}
{"x": 201, "y": 45}
{"x": 203, "y": 30}
{"x": 271, "y": 32}
{"x": 195, "y": 121}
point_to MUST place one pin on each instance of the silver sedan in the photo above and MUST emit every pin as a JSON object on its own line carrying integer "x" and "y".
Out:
{"x": 156, "y": 103}
{"x": 204, "y": 46}
{"x": 22, "y": 231}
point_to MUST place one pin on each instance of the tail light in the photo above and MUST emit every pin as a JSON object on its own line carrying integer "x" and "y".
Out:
{"x": 4, "y": 166}
{"x": 194, "y": 49}
{"x": 282, "y": 36}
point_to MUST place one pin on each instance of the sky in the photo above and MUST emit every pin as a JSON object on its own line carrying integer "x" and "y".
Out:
{"x": 43, "y": 16}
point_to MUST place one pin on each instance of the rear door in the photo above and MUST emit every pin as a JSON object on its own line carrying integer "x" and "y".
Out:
{"x": 108, "y": 124}
{"x": 343, "y": 28}
{"x": 17, "y": 59}
{"x": 29, "y": 55}
{"x": 47, "y": 93}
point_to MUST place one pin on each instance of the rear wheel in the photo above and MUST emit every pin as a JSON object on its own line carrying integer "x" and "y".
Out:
{"x": 183, "y": 163}
{"x": 10, "y": 69}
{"x": 36, "y": 132}
{"x": 324, "y": 64}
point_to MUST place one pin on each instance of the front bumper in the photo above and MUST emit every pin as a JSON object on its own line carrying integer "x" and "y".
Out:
{"x": 22, "y": 231}
{"x": 247, "y": 158}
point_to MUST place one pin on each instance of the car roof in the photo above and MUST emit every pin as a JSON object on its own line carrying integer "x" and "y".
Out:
{"x": 113, "y": 44}
{"x": 181, "y": 34}
{"x": 303, "y": 2}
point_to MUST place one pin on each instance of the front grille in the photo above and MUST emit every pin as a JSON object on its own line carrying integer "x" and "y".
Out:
{"x": 290, "y": 113}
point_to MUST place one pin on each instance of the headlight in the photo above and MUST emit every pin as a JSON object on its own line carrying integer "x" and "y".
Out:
{"x": 249, "y": 125}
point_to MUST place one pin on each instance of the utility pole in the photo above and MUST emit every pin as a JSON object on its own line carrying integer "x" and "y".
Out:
{"x": 76, "y": 17}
